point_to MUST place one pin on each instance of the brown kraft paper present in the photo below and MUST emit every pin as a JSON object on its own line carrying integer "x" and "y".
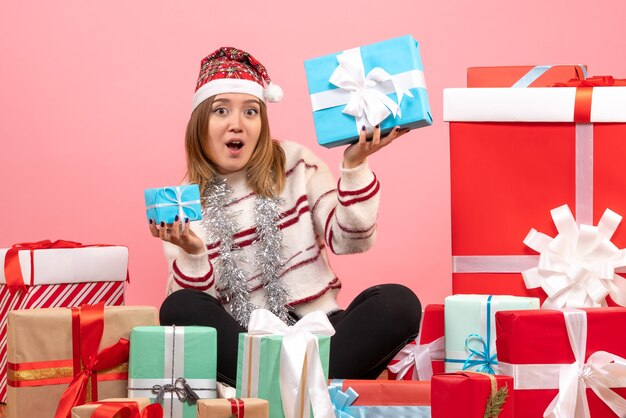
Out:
{"x": 41, "y": 363}
{"x": 233, "y": 408}
{"x": 85, "y": 411}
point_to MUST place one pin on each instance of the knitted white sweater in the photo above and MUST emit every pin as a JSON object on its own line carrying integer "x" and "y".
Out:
{"x": 317, "y": 213}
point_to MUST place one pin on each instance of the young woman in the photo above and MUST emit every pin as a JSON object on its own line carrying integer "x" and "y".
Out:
{"x": 270, "y": 212}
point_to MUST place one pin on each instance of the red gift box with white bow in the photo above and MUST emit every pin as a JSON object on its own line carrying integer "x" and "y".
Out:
{"x": 565, "y": 363}
{"x": 518, "y": 153}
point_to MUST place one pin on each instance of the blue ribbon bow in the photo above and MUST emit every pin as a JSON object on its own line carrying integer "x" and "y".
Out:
{"x": 342, "y": 401}
{"x": 484, "y": 358}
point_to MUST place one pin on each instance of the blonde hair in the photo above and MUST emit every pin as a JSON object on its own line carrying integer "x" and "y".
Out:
{"x": 265, "y": 170}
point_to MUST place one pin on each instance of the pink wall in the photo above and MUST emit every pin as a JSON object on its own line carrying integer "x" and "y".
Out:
{"x": 94, "y": 97}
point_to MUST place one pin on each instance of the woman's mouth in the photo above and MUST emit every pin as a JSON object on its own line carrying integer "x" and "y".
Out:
{"x": 234, "y": 145}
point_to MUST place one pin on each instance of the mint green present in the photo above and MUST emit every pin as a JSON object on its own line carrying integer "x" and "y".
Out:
{"x": 259, "y": 366}
{"x": 470, "y": 329}
{"x": 173, "y": 366}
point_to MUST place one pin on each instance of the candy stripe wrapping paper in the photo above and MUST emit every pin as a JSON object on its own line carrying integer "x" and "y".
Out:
{"x": 378, "y": 83}
{"x": 61, "y": 277}
{"x": 470, "y": 329}
{"x": 165, "y": 359}
{"x": 288, "y": 366}
{"x": 577, "y": 350}
{"x": 552, "y": 156}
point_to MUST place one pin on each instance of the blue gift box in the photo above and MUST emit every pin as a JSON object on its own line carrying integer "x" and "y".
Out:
{"x": 164, "y": 203}
{"x": 378, "y": 83}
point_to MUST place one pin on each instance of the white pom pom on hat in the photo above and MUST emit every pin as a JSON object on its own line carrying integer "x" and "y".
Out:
{"x": 273, "y": 93}
{"x": 231, "y": 70}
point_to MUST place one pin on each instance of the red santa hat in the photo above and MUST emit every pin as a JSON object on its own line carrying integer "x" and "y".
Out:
{"x": 231, "y": 70}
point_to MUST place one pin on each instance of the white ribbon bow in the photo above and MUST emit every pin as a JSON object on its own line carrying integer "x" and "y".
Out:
{"x": 368, "y": 101}
{"x": 602, "y": 371}
{"x": 420, "y": 355}
{"x": 577, "y": 268}
{"x": 302, "y": 381}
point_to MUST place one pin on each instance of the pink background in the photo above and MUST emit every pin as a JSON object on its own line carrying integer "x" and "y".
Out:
{"x": 94, "y": 98}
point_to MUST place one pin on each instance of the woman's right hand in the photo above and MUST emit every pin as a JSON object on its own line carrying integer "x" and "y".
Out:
{"x": 174, "y": 233}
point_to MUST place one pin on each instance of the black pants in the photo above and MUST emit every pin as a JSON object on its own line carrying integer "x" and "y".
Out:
{"x": 369, "y": 333}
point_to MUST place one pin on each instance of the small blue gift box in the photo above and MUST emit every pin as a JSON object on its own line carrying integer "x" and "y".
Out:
{"x": 164, "y": 203}
{"x": 382, "y": 83}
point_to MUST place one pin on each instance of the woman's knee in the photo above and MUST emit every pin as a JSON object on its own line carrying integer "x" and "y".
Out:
{"x": 405, "y": 306}
{"x": 186, "y": 307}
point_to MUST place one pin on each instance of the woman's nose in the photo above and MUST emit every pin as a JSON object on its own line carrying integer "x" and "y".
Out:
{"x": 235, "y": 122}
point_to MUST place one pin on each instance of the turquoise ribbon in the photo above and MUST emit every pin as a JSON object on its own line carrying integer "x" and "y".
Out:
{"x": 484, "y": 359}
{"x": 341, "y": 400}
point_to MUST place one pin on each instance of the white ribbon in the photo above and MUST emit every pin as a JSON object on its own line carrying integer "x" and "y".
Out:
{"x": 302, "y": 381}
{"x": 365, "y": 96}
{"x": 177, "y": 200}
{"x": 420, "y": 355}
{"x": 601, "y": 372}
{"x": 577, "y": 268}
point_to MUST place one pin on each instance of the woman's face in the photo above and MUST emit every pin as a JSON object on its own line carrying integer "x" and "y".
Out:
{"x": 234, "y": 130}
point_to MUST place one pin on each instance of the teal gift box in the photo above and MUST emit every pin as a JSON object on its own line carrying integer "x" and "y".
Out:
{"x": 258, "y": 368}
{"x": 382, "y": 83}
{"x": 172, "y": 366}
{"x": 164, "y": 203}
{"x": 470, "y": 329}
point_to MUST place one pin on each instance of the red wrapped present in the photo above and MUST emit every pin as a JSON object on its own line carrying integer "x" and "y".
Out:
{"x": 380, "y": 398}
{"x": 478, "y": 395}
{"x": 524, "y": 75}
{"x": 48, "y": 274}
{"x": 424, "y": 356}
{"x": 515, "y": 155}
{"x": 565, "y": 363}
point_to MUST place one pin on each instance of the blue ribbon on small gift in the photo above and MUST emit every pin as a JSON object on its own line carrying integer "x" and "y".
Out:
{"x": 342, "y": 400}
{"x": 482, "y": 358}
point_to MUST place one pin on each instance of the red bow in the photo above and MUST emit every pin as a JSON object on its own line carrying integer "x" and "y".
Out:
{"x": 12, "y": 268}
{"x": 584, "y": 93}
{"x": 127, "y": 410}
{"x": 87, "y": 330}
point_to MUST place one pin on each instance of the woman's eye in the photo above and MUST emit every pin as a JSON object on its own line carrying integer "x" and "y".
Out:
{"x": 251, "y": 112}
{"x": 220, "y": 111}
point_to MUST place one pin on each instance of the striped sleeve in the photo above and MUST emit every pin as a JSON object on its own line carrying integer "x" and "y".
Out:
{"x": 188, "y": 271}
{"x": 345, "y": 212}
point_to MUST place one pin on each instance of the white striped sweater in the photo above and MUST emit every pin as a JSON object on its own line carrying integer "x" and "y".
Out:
{"x": 318, "y": 213}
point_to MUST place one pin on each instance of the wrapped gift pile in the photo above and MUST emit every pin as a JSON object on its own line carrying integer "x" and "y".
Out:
{"x": 537, "y": 192}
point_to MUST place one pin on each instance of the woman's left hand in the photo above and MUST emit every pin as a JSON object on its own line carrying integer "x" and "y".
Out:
{"x": 357, "y": 153}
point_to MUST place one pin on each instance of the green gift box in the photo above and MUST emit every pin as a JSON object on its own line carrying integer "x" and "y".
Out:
{"x": 171, "y": 364}
{"x": 470, "y": 329}
{"x": 259, "y": 369}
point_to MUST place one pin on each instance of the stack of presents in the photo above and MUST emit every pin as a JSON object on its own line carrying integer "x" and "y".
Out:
{"x": 532, "y": 329}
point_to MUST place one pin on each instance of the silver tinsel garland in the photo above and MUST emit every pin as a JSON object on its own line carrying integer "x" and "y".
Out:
{"x": 269, "y": 255}
{"x": 231, "y": 279}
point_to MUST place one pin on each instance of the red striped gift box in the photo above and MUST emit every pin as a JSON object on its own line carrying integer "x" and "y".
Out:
{"x": 58, "y": 274}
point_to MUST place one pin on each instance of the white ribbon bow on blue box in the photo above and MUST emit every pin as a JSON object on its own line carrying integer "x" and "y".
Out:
{"x": 381, "y": 83}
